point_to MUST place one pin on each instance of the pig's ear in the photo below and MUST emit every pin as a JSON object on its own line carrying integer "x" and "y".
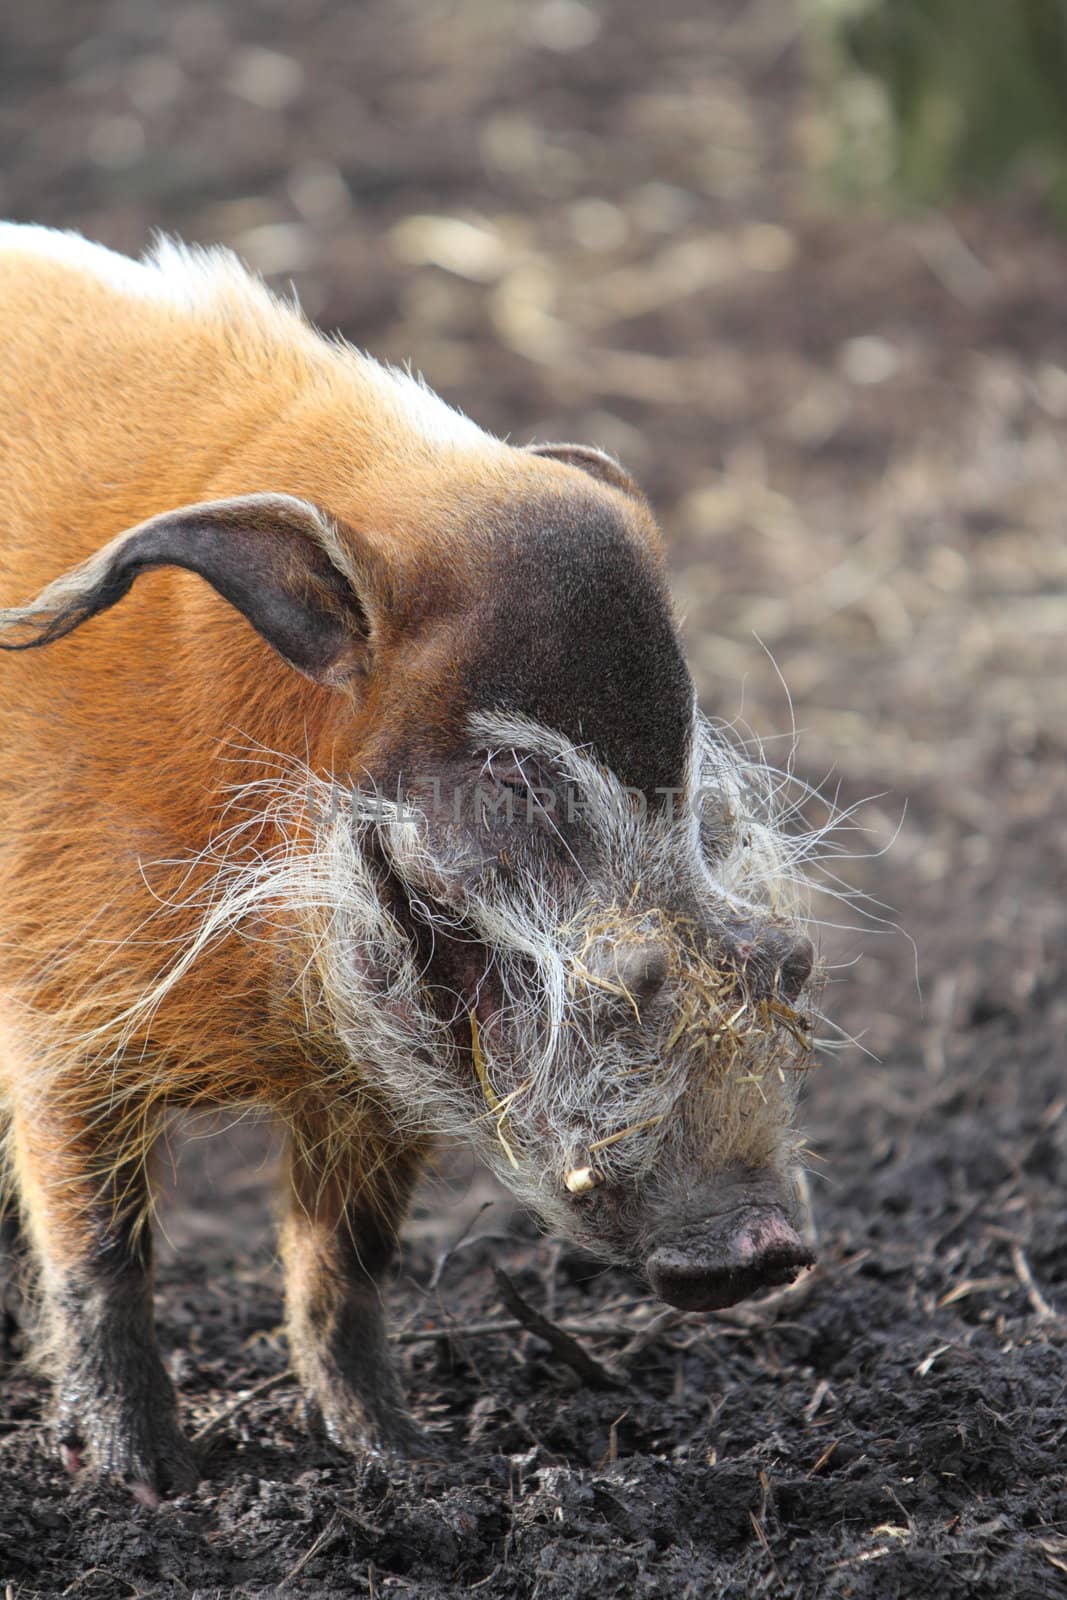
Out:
{"x": 276, "y": 559}
{"x": 588, "y": 459}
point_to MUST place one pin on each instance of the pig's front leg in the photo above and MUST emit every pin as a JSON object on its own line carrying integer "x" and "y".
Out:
{"x": 87, "y": 1224}
{"x": 338, "y": 1239}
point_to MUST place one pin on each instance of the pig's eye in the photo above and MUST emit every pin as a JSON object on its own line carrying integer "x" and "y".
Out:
{"x": 526, "y": 793}
{"x": 515, "y": 784}
{"x": 528, "y": 797}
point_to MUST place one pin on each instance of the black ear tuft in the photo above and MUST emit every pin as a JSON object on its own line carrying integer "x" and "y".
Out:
{"x": 588, "y": 459}
{"x": 276, "y": 559}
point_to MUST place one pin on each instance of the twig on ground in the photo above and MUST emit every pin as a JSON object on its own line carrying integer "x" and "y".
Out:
{"x": 662, "y": 1322}
{"x": 1045, "y": 1311}
{"x": 275, "y": 1381}
{"x": 457, "y": 1244}
{"x": 83, "y": 1577}
{"x": 479, "y": 1330}
{"x": 822, "y": 1389}
{"x": 762, "y": 1313}
{"x": 332, "y": 1528}
{"x": 809, "y": 1230}
{"x": 567, "y": 1349}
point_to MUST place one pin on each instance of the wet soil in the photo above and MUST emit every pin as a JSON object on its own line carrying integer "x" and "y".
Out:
{"x": 605, "y": 222}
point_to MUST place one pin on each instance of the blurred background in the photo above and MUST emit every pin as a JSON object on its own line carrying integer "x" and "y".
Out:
{"x": 799, "y": 265}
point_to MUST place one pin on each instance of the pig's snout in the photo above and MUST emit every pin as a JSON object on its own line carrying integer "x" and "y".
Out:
{"x": 773, "y": 962}
{"x": 760, "y": 1250}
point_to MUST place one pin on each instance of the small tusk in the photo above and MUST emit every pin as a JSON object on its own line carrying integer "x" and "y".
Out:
{"x": 579, "y": 1180}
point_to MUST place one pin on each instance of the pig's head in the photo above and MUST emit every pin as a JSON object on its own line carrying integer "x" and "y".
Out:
{"x": 604, "y": 1011}
{"x": 574, "y": 937}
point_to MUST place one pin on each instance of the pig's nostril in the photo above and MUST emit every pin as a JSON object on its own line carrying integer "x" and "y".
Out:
{"x": 774, "y": 961}
{"x": 795, "y": 969}
{"x": 765, "y": 1251}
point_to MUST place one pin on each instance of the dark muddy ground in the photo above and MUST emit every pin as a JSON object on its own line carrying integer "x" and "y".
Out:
{"x": 600, "y": 221}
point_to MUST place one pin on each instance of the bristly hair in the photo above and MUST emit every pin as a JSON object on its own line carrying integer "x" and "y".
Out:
{"x": 566, "y": 1074}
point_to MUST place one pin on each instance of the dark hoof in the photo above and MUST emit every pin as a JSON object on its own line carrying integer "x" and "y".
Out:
{"x": 149, "y": 1454}
{"x": 397, "y": 1436}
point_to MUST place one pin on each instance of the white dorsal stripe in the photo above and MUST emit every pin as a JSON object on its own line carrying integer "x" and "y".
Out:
{"x": 192, "y": 278}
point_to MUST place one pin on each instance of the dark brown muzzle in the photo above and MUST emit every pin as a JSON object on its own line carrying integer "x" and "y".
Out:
{"x": 759, "y": 1249}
